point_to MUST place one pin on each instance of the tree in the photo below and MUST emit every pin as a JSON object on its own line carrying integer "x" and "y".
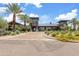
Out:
{"x": 24, "y": 18}
{"x": 77, "y": 24}
{"x": 14, "y": 9}
{"x": 74, "y": 23}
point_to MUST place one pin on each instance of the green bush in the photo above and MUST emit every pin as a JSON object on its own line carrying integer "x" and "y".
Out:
{"x": 12, "y": 33}
{"x": 3, "y": 23}
{"x": 17, "y": 32}
{"x": 65, "y": 36}
{"x": 18, "y": 27}
{"x": 54, "y": 34}
{"x": 7, "y": 32}
{"x": 2, "y": 32}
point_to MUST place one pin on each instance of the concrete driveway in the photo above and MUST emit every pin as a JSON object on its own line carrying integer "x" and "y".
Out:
{"x": 36, "y": 44}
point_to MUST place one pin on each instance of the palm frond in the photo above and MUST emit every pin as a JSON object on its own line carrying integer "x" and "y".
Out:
{"x": 23, "y": 17}
{"x": 12, "y": 8}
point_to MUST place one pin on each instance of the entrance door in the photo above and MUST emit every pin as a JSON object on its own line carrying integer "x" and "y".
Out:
{"x": 34, "y": 28}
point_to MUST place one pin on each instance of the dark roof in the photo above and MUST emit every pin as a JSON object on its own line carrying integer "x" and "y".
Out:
{"x": 63, "y": 21}
{"x": 48, "y": 25}
{"x": 15, "y": 23}
{"x": 34, "y": 18}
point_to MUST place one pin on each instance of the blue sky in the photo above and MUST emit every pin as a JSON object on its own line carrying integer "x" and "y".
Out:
{"x": 49, "y": 12}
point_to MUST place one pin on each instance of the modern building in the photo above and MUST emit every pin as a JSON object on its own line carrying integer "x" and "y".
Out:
{"x": 62, "y": 22}
{"x": 34, "y": 23}
{"x": 41, "y": 27}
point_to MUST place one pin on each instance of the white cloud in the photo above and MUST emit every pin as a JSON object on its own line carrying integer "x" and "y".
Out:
{"x": 35, "y": 3}
{"x": 33, "y": 15}
{"x": 44, "y": 19}
{"x": 9, "y": 18}
{"x": 74, "y": 10}
{"x": 38, "y": 5}
{"x": 2, "y": 9}
{"x": 68, "y": 16}
{"x": 23, "y": 8}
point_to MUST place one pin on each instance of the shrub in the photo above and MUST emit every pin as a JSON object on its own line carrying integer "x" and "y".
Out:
{"x": 17, "y": 32}
{"x": 12, "y": 33}
{"x": 18, "y": 27}
{"x": 6, "y": 32}
{"x": 76, "y": 34}
{"x": 3, "y": 23}
{"x": 3, "y": 26}
{"x": 1, "y": 32}
{"x": 65, "y": 36}
{"x": 61, "y": 37}
{"x": 54, "y": 34}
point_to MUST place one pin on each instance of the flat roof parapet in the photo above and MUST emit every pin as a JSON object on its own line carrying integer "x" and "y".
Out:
{"x": 48, "y": 25}
{"x": 63, "y": 21}
{"x": 34, "y": 18}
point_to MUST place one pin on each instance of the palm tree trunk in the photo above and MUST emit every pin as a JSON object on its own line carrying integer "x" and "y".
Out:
{"x": 24, "y": 23}
{"x": 74, "y": 26}
{"x": 14, "y": 20}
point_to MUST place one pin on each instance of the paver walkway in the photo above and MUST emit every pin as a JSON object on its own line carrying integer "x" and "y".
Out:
{"x": 36, "y": 44}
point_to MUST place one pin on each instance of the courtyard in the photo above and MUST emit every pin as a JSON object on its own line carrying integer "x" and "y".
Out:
{"x": 36, "y": 44}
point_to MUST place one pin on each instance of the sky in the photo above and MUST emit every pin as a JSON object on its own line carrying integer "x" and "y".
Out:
{"x": 47, "y": 12}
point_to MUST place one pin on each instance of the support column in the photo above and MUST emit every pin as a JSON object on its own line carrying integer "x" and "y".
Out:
{"x": 44, "y": 28}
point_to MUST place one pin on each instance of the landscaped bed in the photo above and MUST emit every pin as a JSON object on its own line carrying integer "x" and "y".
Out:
{"x": 66, "y": 36}
{"x": 11, "y": 33}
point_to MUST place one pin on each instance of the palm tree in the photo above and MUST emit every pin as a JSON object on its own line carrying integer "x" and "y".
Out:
{"x": 74, "y": 23}
{"x": 14, "y": 9}
{"x": 24, "y": 18}
{"x": 78, "y": 24}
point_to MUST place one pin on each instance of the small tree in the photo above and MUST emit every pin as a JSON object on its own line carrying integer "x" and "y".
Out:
{"x": 77, "y": 24}
{"x": 24, "y": 18}
{"x": 3, "y": 23}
